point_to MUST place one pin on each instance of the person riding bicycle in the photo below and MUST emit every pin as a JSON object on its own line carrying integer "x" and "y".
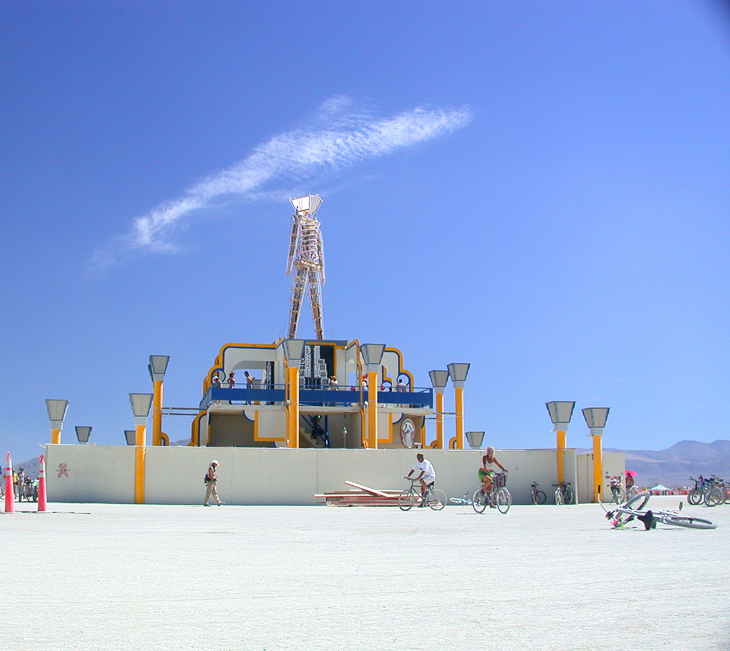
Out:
{"x": 427, "y": 475}
{"x": 486, "y": 472}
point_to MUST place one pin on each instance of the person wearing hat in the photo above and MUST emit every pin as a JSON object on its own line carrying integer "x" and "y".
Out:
{"x": 211, "y": 479}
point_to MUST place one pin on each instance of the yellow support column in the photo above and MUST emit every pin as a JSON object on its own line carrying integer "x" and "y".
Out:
{"x": 440, "y": 420}
{"x": 458, "y": 374}
{"x": 459, "y": 400}
{"x": 293, "y": 419}
{"x": 141, "y": 403}
{"x": 596, "y": 420}
{"x": 562, "y": 444}
{"x": 439, "y": 379}
{"x": 157, "y": 368}
{"x": 157, "y": 413}
{"x": 597, "y": 467}
{"x": 372, "y": 410}
{"x": 55, "y": 436}
{"x": 140, "y": 462}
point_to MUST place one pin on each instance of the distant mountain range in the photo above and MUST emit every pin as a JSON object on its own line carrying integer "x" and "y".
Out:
{"x": 672, "y": 467}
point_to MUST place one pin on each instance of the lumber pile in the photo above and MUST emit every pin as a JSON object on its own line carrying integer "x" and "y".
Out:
{"x": 360, "y": 496}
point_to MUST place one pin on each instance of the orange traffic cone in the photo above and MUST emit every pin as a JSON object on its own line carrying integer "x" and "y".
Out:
{"x": 9, "y": 495}
{"x": 42, "y": 486}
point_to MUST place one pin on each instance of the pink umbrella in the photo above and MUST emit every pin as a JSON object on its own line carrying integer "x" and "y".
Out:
{"x": 631, "y": 473}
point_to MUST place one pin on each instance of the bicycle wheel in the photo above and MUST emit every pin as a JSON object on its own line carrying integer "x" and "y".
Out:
{"x": 407, "y": 500}
{"x": 437, "y": 499}
{"x": 714, "y": 496}
{"x": 617, "y": 495}
{"x": 503, "y": 500}
{"x": 687, "y": 522}
{"x": 568, "y": 497}
{"x": 632, "y": 492}
{"x": 479, "y": 501}
{"x": 559, "y": 499}
{"x": 695, "y": 497}
{"x": 538, "y": 497}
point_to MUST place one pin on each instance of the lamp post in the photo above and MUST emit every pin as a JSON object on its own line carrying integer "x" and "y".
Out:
{"x": 372, "y": 356}
{"x": 82, "y": 433}
{"x": 561, "y": 412}
{"x": 458, "y": 373}
{"x": 157, "y": 368}
{"x": 439, "y": 380}
{"x": 293, "y": 351}
{"x": 56, "y": 414}
{"x": 141, "y": 403}
{"x": 596, "y": 420}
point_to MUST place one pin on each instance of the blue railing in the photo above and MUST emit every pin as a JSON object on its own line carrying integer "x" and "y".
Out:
{"x": 416, "y": 398}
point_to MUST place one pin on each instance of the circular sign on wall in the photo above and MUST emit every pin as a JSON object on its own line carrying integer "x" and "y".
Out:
{"x": 407, "y": 433}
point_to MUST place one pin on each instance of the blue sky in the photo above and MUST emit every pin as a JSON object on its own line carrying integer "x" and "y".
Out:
{"x": 540, "y": 189}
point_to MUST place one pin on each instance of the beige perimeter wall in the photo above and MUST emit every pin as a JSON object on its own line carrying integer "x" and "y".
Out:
{"x": 278, "y": 476}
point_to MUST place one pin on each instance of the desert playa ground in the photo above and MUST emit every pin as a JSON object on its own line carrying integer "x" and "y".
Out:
{"x": 100, "y": 576}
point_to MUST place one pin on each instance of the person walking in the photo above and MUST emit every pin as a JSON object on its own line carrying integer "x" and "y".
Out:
{"x": 211, "y": 480}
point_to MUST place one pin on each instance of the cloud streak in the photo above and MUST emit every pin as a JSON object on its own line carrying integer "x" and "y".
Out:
{"x": 340, "y": 137}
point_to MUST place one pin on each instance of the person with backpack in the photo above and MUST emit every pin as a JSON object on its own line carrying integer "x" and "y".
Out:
{"x": 211, "y": 488}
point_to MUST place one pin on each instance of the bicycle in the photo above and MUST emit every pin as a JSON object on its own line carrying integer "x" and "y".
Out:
{"x": 465, "y": 499}
{"x": 715, "y": 492}
{"x": 538, "y": 497}
{"x": 410, "y": 497}
{"x": 618, "y": 494}
{"x": 563, "y": 493}
{"x": 633, "y": 509}
{"x": 499, "y": 496}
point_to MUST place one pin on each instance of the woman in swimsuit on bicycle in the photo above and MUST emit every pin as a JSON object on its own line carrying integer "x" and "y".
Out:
{"x": 486, "y": 472}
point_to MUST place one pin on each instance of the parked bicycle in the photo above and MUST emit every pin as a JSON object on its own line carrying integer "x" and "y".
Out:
{"x": 711, "y": 491}
{"x": 28, "y": 490}
{"x": 498, "y": 497}
{"x": 563, "y": 493}
{"x": 618, "y": 494}
{"x": 634, "y": 509}
{"x": 538, "y": 496}
{"x": 434, "y": 498}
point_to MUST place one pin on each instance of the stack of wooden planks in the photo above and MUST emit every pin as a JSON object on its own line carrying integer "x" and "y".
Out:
{"x": 360, "y": 496}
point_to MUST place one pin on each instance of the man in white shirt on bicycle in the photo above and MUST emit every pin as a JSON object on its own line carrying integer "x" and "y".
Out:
{"x": 427, "y": 474}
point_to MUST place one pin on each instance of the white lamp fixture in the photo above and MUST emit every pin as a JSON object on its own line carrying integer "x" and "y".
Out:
{"x": 596, "y": 418}
{"x": 560, "y": 413}
{"x": 57, "y": 412}
{"x": 458, "y": 373}
{"x": 83, "y": 433}
{"x": 130, "y": 435}
{"x": 372, "y": 355}
{"x": 476, "y": 439}
{"x": 158, "y": 367}
{"x": 439, "y": 379}
{"x": 141, "y": 403}
{"x": 293, "y": 350}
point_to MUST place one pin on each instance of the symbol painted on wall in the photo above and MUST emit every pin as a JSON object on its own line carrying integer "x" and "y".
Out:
{"x": 62, "y": 470}
{"x": 407, "y": 433}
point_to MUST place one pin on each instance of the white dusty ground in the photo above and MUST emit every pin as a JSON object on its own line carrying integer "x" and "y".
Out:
{"x": 99, "y": 576}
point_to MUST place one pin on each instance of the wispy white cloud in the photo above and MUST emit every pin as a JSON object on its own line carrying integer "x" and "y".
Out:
{"x": 340, "y": 136}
